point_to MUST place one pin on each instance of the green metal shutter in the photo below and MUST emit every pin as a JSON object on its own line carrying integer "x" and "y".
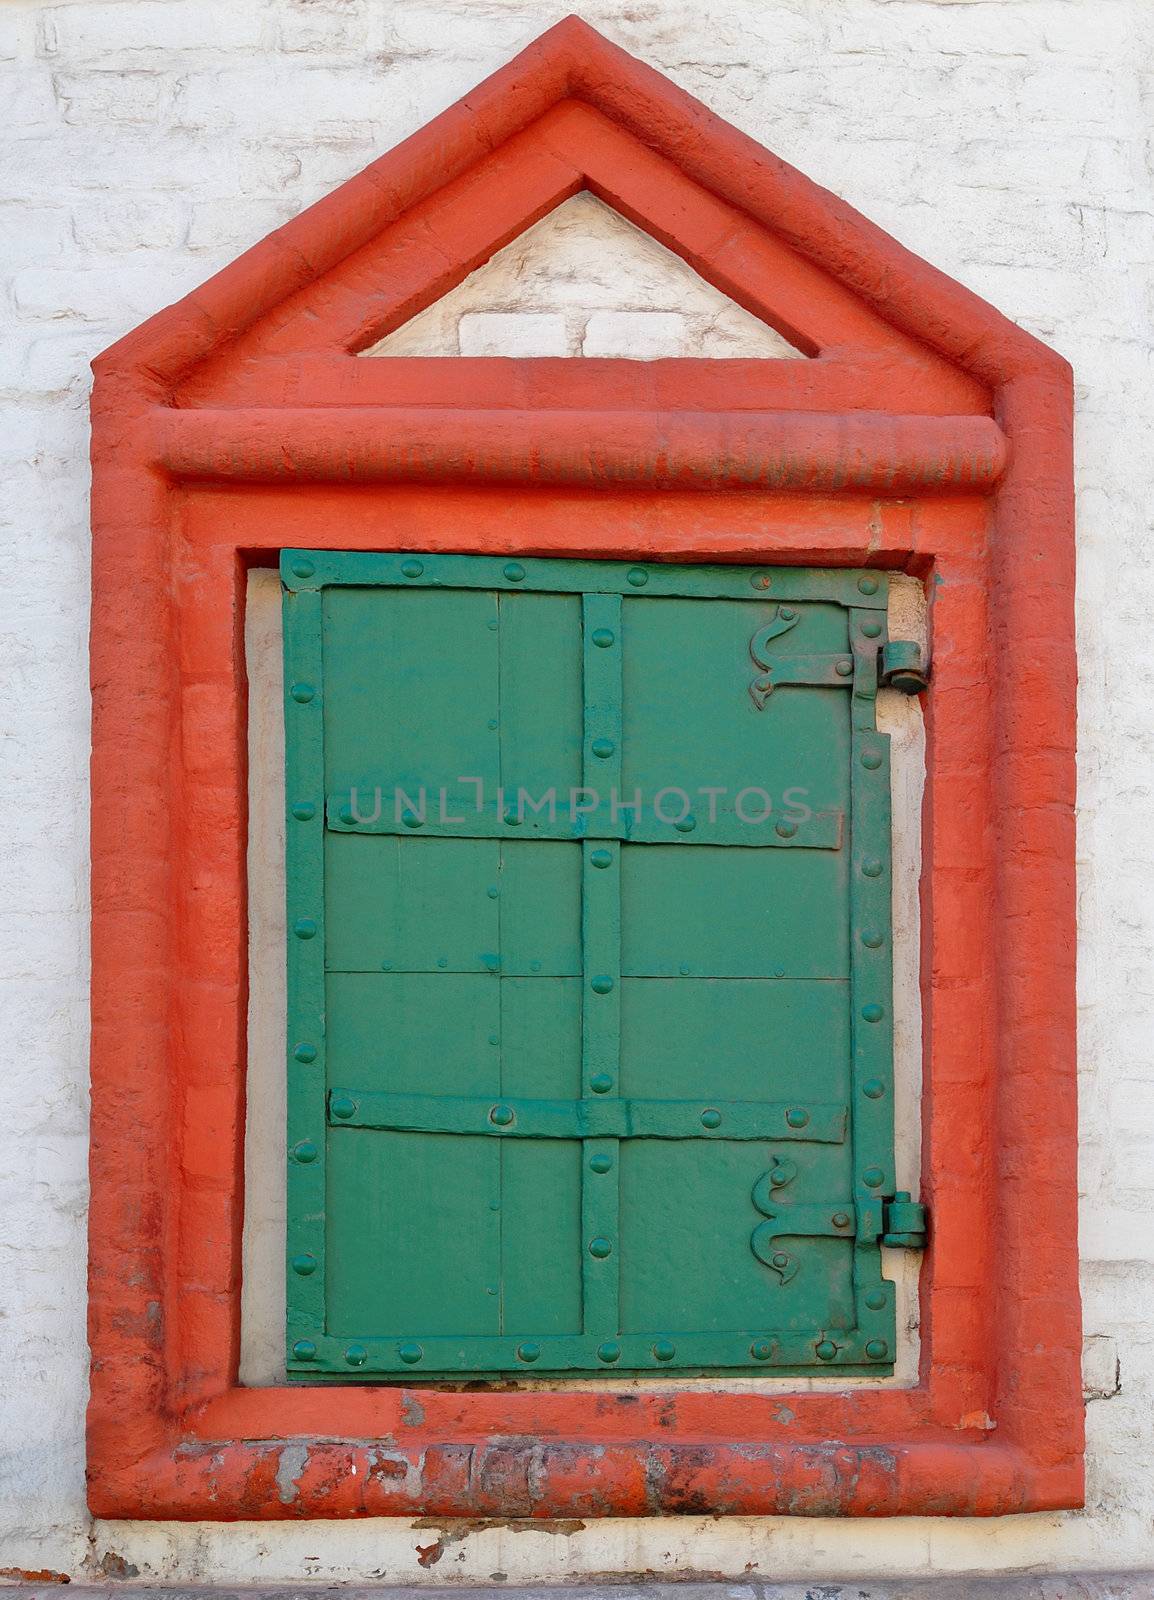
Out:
{"x": 606, "y": 1084}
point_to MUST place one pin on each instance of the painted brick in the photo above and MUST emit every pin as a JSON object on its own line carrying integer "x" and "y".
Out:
{"x": 641, "y": 335}
{"x": 496, "y": 333}
{"x": 109, "y": 33}
{"x": 132, "y": 223}
{"x": 88, "y": 97}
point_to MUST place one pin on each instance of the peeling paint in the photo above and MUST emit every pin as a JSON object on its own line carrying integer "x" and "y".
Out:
{"x": 294, "y": 1458}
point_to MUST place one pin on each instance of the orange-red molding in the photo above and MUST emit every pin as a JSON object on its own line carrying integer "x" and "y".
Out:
{"x": 920, "y": 431}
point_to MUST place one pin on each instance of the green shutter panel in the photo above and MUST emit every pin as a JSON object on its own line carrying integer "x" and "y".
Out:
{"x": 589, "y": 1046}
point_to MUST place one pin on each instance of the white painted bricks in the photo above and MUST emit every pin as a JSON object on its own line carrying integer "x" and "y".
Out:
{"x": 512, "y": 333}
{"x": 149, "y": 141}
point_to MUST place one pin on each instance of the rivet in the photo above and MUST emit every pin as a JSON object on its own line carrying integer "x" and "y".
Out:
{"x": 781, "y": 1259}
{"x": 686, "y": 825}
{"x": 514, "y": 571}
{"x": 305, "y": 928}
{"x": 601, "y": 1084}
{"x": 600, "y": 1248}
{"x": 304, "y": 811}
{"x": 343, "y": 1106}
{"x": 442, "y": 962}
{"x": 303, "y": 568}
{"x": 761, "y": 1349}
{"x": 386, "y": 966}
{"x": 410, "y": 1354}
{"x": 600, "y": 1163}
{"x": 528, "y": 1352}
{"x": 663, "y": 1350}
{"x": 513, "y": 818}
{"x": 348, "y": 816}
{"x": 501, "y": 1116}
{"x": 843, "y": 668}
{"x": 534, "y": 966}
{"x": 302, "y": 693}
{"x": 873, "y": 1089}
{"x": 304, "y": 1350}
{"x": 603, "y": 637}
{"x": 356, "y": 1355}
{"x": 779, "y": 971}
{"x": 711, "y": 1118}
{"x": 760, "y": 580}
{"x": 840, "y": 1219}
{"x": 787, "y": 613}
{"x": 601, "y": 984}
{"x": 868, "y": 585}
{"x": 608, "y": 1352}
{"x": 871, "y": 629}
{"x": 304, "y": 1265}
{"x": 873, "y": 1177}
{"x": 494, "y": 1038}
{"x": 684, "y": 969}
{"x": 411, "y": 819}
{"x": 304, "y": 1151}
{"x": 826, "y": 1350}
{"x": 638, "y": 577}
{"x": 872, "y": 939}
{"x": 871, "y": 760}
{"x": 796, "y": 1117}
{"x": 493, "y": 892}
{"x": 603, "y": 748}
{"x": 785, "y": 829}
{"x": 492, "y": 624}
{"x": 490, "y": 960}
{"x": 876, "y": 1300}
{"x": 492, "y": 724}
{"x": 877, "y": 1349}
{"x": 872, "y": 1013}
{"x": 305, "y": 1053}
{"x": 601, "y": 858}
{"x": 872, "y": 868}
{"x": 412, "y": 569}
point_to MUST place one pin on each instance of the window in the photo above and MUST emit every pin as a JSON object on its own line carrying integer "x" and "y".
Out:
{"x": 589, "y": 968}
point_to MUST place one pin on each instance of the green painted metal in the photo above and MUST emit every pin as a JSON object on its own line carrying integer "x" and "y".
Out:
{"x": 563, "y": 1093}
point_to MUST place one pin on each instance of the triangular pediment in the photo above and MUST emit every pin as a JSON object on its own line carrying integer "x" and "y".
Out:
{"x": 574, "y": 122}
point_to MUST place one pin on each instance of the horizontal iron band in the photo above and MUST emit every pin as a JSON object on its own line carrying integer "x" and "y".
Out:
{"x": 588, "y": 1119}
{"x": 560, "y": 575}
{"x": 751, "y": 1349}
{"x": 822, "y": 830}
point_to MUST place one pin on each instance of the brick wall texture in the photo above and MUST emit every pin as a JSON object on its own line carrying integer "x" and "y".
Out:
{"x": 146, "y": 143}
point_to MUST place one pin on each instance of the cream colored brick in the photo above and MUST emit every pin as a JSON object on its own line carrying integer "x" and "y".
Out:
{"x": 637, "y": 335}
{"x": 512, "y": 333}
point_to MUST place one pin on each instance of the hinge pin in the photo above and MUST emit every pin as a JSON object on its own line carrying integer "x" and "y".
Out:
{"x": 903, "y": 667}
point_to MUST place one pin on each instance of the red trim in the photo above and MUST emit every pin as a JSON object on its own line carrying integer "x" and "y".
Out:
{"x": 238, "y": 422}
{"x": 807, "y": 450}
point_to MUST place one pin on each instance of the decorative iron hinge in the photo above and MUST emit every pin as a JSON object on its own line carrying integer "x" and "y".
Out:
{"x": 899, "y": 1223}
{"x": 902, "y": 665}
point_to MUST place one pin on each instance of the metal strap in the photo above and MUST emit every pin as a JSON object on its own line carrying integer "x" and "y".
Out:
{"x": 588, "y": 1119}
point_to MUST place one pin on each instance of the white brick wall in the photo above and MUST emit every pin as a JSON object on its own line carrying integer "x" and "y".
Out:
{"x": 146, "y": 143}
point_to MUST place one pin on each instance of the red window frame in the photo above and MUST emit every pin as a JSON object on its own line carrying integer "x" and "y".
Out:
{"x": 927, "y": 434}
